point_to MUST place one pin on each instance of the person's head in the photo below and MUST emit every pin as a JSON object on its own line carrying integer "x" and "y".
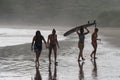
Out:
{"x": 96, "y": 29}
{"x": 53, "y": 31}
{"x": 38, "y": 33}
{"x": 81, "y": 30}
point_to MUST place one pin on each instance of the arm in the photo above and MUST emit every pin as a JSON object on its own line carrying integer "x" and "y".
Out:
{"x": 32, "y": 43}
{"x": 99, "y": 39}
{"x": 44, "y": 42}
{"x": 77, "y": 32}
{"x": 57, "y": 42}
{"x": 48, "y": 39}
{"x": 87, "y": 31}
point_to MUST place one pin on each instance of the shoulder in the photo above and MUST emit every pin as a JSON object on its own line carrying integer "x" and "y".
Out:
{"x": 55, "y": 34}
{"x": 34, "y": 37}
{"x": 42, "y": 36}
{"x": 49, "y": 35}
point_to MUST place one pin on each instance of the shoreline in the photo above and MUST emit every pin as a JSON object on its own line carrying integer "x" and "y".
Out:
{"x": 109, "y": 35}
{"x": 20, "y": 59}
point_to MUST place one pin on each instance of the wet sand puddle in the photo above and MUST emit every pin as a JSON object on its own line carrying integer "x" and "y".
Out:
{"x": 106, "y": 67}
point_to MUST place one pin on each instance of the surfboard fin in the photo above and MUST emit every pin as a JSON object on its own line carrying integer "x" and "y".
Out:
{"x": 95, "y": 23}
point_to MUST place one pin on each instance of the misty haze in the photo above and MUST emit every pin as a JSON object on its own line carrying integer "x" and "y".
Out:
{"x": 59, "y": 12}
{"x": 83, "y": 49}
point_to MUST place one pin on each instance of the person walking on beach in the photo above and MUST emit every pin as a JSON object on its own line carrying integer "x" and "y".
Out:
{"x": 81, "y": 35}
{"x": 53, "y": 44}
{"x": 94, "y": 39}
{"x": 37, "y": 45}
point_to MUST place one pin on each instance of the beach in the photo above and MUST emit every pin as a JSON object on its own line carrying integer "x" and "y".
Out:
{"x": 17, "y": 61}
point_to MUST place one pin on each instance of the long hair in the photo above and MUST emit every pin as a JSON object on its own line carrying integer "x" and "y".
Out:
{"x": 38, "y": 34}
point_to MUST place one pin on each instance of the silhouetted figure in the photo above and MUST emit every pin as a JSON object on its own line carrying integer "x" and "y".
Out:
{"x": 53, "y": 44}
{"x": 81, "y": 35}
{"x": 94, "y": 71}
{"x": 37, "y": 75}
{"x": 37, "y": 45}
{"x": 81, "y": 72}
{"x": 94, "y": 39}
{"x": 54, "y": 76}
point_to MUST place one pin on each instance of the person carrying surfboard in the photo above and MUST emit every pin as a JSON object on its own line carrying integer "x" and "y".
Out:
{"x": 53, "y": 44}
{"x": 81, "y": 35}
{"x": 94, "y": 39}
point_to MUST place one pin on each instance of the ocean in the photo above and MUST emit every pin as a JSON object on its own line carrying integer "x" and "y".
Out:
{"x": 10, "y": 36}
{"x": 17, "y": 60}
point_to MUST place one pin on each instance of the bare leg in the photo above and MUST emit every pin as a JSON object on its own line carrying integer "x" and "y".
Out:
{"x": 55, "y": 54}
{"x": 93, "y": 52}
{"x": 36, "y": 61}
{"x": 79, "y": 56}
{"x": 50, "y": 51}
{"x": 79, "y": 51}
{"x": 82, "y": 47}
{"x": 38, "y": 57}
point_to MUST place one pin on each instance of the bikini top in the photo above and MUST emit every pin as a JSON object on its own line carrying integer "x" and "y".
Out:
{"x": 81, "y": 37}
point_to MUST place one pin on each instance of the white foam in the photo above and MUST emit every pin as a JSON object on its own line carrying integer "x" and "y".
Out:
{"x": 10, "y": 36}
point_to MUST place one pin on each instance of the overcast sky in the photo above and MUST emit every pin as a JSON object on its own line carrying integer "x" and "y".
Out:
{"x": 59, "y": 12}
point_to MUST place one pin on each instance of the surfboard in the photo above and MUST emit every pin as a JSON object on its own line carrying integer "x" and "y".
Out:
{"x": 79, "y": 27}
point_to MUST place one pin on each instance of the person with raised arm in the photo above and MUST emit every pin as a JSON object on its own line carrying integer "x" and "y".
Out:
{"x": 81, "y": 35}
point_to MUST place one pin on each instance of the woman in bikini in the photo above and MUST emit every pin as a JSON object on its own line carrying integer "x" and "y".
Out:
{"x": 37, "y": 45}
{"x": 53, "y": 44}
{"x": 81, "y": 35}
{"x": 94, "y": 42}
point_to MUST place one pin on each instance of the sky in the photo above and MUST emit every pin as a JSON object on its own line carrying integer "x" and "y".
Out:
{"x": 59, "y": 12}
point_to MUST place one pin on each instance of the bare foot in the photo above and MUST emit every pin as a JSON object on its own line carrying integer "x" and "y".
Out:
{"x": 78, "y": 60}
{"x": 95, "y": 57}
{"x": 91, "y": 55}
{"x": 56, "y": 63}
{"x": 83, "y": 59}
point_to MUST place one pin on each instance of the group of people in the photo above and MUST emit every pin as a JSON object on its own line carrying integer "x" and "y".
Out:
{"x": 94, "y": 39}
{"x": 52, "y": 44}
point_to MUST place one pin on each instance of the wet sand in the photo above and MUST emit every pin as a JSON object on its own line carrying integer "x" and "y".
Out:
{"x": 17, "y": 62}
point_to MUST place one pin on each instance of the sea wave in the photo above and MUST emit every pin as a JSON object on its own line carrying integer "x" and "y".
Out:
{"x": 9, "y": 36}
